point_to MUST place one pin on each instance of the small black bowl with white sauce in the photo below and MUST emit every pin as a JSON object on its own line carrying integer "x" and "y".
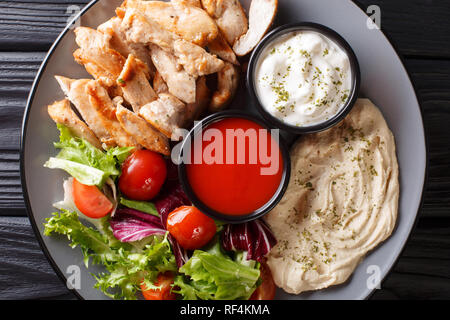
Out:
{"x": 303, "y": 78}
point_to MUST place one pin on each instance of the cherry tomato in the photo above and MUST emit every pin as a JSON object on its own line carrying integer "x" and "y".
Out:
{"x": 191, "y": 228}
{"x": 267, "y": 288}
{"x": 90, "y": 200}
{"x": 165, "y": 281}
{"x": 143, "y": 174}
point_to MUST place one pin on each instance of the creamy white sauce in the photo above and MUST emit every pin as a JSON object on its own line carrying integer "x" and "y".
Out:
{"x": 303, "y": 78}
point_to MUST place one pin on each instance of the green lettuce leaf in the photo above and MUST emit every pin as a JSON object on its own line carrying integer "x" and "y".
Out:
{"x": 127, "y": 267}
{"x": 84, "y": 174}
{"x": 213, "y": 275}
{"x": 75, "y": 151}
{"x": 143, "y": 206}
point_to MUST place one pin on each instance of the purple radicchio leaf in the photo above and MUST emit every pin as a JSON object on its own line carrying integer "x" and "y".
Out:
{"x": 130, "y": 225}
{"x": 237, "y": 237}
{"x": 181, "y": 255}
{"x": 140, "y": 215}
{"x": 165, "y": 204}
{"x": 255, "y": 237}
{"x": 264, "y": 240}
{"x": 170, "y": 200}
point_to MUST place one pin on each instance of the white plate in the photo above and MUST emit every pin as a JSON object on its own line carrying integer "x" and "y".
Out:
{"x": 384, "y": 80}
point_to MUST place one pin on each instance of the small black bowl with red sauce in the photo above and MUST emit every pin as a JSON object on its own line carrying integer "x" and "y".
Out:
{"x": 234, "y": 167}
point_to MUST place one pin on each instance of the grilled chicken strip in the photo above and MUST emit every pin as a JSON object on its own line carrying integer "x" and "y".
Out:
{"x": 96, "y": 55}
{"x": 227, "y": 84}
{"x": 93, "y": 103}
{"x": 191, "y": 23}
{"x": 135, "y": 86}
{"x": 229, "y": 16}
{"x": 192, "y": 3}
{"x": 165, "y": 114}
{"x": 118, "y": 41}
{"x": 261, "y": 16}
{"x": 75, "y": 90}
{"x": 202, "y": 100}
{"x": 220, "y": 47}
{"x": 159, "y": 85}
{"x": 103, "y": 104}
{"x": 179, "y": 82}
{"x": 193, "y": 110}
{"x": 61, "y": 112}
{"x": 142, "y": 131}
{"x": 195, "y": 60}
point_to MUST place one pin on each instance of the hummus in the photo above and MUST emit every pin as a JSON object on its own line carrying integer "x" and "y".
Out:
{"x": 341, "y": 202}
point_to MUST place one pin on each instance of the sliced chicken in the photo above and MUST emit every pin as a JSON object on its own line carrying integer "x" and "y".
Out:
{"x": 192, "y": 3}
{"x": 195, "y": 60}
{"x": 120, "y": 11}
{"x": 111, "y": 86}
{"x": 96, "y": 55}
{"x": 93, "y": 103}
{"x": 87, "y": 38}
{"x": 179, "y": 82}
{"x": 220, "y": 47}
{"x": 137, "y": 91}
{"x": 202, "y": 100}
{"x": 115, "y": 39}
{"x": 102, "y": 103}
{"x": 142, "y": 131}
{"x": 261, "y": 16}
{"x": 118, "y": 41}
{"x": 227, "y": 84}
{"x": 159, "y": 85}
{"x": 165, "y": 114}
{"x": 75, "y": 90}
{"x": 62, "y": 113}
{"x": 191, "y": 23}
{"x": 229, "y": 16}
{"x": 193, "y": 110}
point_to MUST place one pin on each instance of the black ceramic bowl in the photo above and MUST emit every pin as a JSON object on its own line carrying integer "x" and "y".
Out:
{"x": 185, "y": 147}
{"x": 330, "y": 34}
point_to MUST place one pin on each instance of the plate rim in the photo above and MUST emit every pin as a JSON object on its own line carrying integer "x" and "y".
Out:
{"x": 425, "y": 177}
{"x": 23, "y": 136}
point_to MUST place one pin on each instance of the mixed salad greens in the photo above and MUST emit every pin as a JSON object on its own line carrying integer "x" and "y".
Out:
{"x": 164, "y": 249}
{"x": 84, "y": 162}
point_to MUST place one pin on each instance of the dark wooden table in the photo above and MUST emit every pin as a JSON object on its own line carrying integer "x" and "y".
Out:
{"x": 419, "y": 28}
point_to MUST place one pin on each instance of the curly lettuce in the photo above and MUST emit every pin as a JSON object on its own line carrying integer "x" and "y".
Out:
{"x": 86, "y": 163}
{"x": 126, "y": 265}
{"x": 213, "y": 275}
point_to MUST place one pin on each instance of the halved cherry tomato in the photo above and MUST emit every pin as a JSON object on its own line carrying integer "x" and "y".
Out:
{"x": 164, "y": 281}
{"x": 90, "y": 200}
{"x": 191, "y": 228}
{"x": 143, "y": 174}
{"x": 267, "y": 288}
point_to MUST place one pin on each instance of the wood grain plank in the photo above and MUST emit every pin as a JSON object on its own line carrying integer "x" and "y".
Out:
{"x": 24, "y": 270}
{"x": 18, "y": 71}
{"x": 413, "y": 287}
{"x": 418, "y": 27}
{"x": 11, "y": 198}
{"x": 432, "y": 80}
{"x": 34, "y": 25}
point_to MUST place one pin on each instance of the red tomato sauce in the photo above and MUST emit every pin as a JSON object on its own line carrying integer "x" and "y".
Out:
{"x": 237, "y": 186}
